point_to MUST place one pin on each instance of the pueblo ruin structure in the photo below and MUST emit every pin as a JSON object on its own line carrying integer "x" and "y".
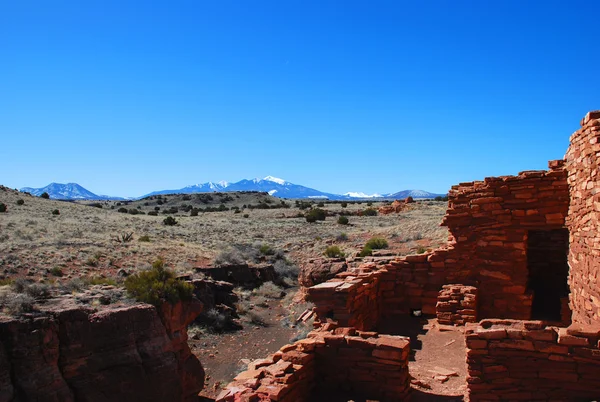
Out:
{"x": 520, "y": 270}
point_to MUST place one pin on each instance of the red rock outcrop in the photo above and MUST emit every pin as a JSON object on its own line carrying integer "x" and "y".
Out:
{"x": 395, "y": 207}
{"x": 319, "y": 270}
{"x": 120, "y": 353}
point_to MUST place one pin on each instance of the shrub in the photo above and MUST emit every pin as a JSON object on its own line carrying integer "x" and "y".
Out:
{"x": 170, "y": 221}
{"x": 320, "y": 204}
{"x": 270, "y": 291}
{"x": 144, "y": 238}
{"x": 45, "y": 195}
{"x": 229, "y": 257}
{"x": 342, "y": 237}
{"x": 153, "y": 213}
{"x": 122, "y": 210}
{"x": 17, "y": 304}
{"x": 246, "y": 215}
{"x": 369, "y": 212}
{"x": 55, "y": 212}
{"x": 315, "y": 214}
{"x": 333, "y": 252}
{"x": 342, "y": 220}
{"x": 421, "y": 250}
{"x": 20, "y": 202}
{"x": 56, "y": 271}
{"x": 158, "y": 285}
{"x": 265, "y": 249}
{"x": 91, "y": 262}
{"x": 376, "y": 243}
{"x": 366, "y": 251}
{"x": 286, "y": 269}
{"x": 133, "y": 211}
{"x": 2, "y": 207}
{"x": 38, "y": 290}
{"x": 194, "y": 212}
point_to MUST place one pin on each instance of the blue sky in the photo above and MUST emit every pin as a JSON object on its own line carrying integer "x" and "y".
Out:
{"x": 126, "y": 97}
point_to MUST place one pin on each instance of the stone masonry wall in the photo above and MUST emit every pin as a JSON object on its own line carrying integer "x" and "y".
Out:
{"x": 330, "y": 361}
{"x": 584, "y": 220}
{"x": 528, "y": 361}
{"x": 457, "y": 305}
{"x": 488, "y": 223}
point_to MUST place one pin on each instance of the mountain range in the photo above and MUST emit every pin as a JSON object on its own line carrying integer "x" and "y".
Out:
{"x": 272, "y": 185}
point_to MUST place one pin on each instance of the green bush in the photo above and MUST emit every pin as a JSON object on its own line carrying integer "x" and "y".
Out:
{"x": 45, "y": 195}
{"x": 122, "y": 210}
{"x": 158, "y": 285}
{"x": 342, "y": 237}
{"x": 144, "y": 238}
{"x": 153, "y": 213}
{"x": 2, "y": 207}
{"x": 370, "y": 212}
{"x": 56, "y": 271}
{"x": 315, "y": 214}
{"x": 333, "y": 252}
{"x": 55, "y": 212}
{"x": 366, "y": 251}
{"x": 20, "y": 202}
{"x": 265, "y": 249}
{"x": 170, "y": 221}
{"x": 344, "y": 204}
{"x": 133, "y": 211}
{"x": 342, "y": 220}
{"x": 421, "y": 250}
{"x": 376, "y": 243}
{"x": 194, "y": 212}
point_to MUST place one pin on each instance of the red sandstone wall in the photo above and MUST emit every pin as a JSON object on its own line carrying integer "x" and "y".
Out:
{"x": 527, "y": 361}
{"x": 327, "y": 365}
{"x": 584, "y": 220}
{"x": 488, "y": 223}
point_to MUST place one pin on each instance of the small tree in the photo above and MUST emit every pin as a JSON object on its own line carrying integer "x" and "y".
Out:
{"x": 342, "y": 220}
{"x": 315, "y": 214}
{"x": 170, "y": 221}
{"x": 20, "y": 202}
{"x": 56, "y": 212}
{"x": 2, "y": 207}
{"x": 45, "y": 195}
{"x": 158, "y": 285}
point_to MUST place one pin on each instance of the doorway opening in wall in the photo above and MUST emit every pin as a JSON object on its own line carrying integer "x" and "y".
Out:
{"x": 547, "y": 252}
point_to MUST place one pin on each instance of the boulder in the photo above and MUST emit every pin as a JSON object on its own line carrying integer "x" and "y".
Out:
{"x": 319, "y": 270}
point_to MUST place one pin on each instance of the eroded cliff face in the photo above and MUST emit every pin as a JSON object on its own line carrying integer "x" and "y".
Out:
{"x": 121, "y": 353}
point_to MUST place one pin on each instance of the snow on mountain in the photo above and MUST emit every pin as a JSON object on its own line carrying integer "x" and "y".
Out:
{"x": 275, "y": 180}
{"x": 362, "y": 195}
{"x": 269, "y": 184}
{"x": 69, "y": 191}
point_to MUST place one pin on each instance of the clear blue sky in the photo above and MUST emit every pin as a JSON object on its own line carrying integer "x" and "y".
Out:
{"x": 126, "y": 97}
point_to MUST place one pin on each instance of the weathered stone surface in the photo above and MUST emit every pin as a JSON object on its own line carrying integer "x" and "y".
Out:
{"x": 320, "y": 270}
{"x": 114, "y": 354}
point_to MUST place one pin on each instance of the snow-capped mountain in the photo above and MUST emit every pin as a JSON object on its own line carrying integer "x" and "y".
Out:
{"x": 270, "y": 184}
{"x": 362, "y": 195}
{"x": 69, "y": 191}
{"x": 208, "y": 187}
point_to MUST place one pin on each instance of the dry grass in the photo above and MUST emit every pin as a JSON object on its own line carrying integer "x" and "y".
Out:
{"x": 80, "y": 241}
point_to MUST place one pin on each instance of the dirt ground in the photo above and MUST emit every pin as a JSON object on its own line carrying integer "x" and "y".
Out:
{"x": 225, "y": 355}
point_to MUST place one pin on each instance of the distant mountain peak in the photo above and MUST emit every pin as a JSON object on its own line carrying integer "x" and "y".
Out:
{"x": 362, "y": 195}
{"x": 275, "y": 180}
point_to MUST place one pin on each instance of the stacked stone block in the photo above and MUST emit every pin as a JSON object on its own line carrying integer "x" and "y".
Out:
{"x": 330, "y": 361}
{"x": 352, "y": 299}
{"x": 512, "y": 360}
{"x": 488, "y": 223}
{"x": 582, "y": 163}
{"x": 457, "y": 305}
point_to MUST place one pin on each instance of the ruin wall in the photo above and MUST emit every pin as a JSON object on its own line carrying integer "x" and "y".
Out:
{"x": 583, "y": 221}
{"x": 330, "y": 361}
{"x": 528, "y": 361}
{"x": 488, "y": 223}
